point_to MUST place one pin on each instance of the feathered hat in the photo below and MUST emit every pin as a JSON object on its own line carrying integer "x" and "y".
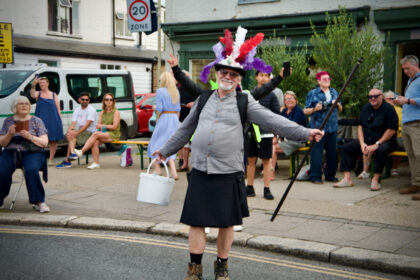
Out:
{"x": 238, "y": 55}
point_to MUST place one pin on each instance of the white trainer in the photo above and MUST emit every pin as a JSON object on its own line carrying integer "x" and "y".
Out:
{"x": 238, "y": 228}
{"x": 94, "y": 166}
{"x": 364, "y": 175}
{"x": 207, "y": 230}
{"x": 78, "y": 153}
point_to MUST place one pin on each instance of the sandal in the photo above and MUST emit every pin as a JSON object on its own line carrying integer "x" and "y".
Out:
{"x": 375, "y": 186}
{"x": 343, "y": 184}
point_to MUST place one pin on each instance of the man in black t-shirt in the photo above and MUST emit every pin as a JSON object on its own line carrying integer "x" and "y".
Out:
{"x": 376, "y": 136}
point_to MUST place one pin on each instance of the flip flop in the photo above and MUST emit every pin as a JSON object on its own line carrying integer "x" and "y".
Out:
{"x": 343, "y": 184}
{"x": 375, "y": 186}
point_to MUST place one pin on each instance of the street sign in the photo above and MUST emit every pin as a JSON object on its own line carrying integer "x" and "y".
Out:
{"x": 6, "y": 43}
{"x": 139, "y": 15}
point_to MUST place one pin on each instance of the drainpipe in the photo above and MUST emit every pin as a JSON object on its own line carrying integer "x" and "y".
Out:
{"x": 113, "y": 23}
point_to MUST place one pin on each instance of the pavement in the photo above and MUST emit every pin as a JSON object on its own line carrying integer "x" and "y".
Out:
{"x": 351, "y": 226}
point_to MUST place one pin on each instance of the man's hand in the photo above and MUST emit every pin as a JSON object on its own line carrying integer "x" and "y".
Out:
{"x": 371, "y": 149}
{"x": 401, "y": 100}
{"x": 173, "y": 60}
{"x": 316, "y": 134}
{"x": 282, "y": 72}
{"x": 363, "y": 147}
{"x": 72, "y": 134}
{"x": 160, "y": 157}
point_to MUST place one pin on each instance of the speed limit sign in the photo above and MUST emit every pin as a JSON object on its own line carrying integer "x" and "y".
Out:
{"x": 139, "y": 15}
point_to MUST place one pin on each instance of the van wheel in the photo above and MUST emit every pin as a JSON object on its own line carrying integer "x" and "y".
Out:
{"x": 123, "y": 136}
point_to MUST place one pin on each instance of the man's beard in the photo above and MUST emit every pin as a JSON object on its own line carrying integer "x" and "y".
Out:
{"x": 224, "y": 86}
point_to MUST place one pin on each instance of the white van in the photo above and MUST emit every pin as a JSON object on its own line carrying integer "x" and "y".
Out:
{"x": 68, "y": 84}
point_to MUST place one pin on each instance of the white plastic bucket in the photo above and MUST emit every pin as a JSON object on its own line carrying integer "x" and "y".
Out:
{"x": 154, "y": 188}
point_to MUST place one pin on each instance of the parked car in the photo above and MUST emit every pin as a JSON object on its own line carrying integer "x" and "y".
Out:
{"x": 139, "y": 96}
{"x": 144, "y": 108}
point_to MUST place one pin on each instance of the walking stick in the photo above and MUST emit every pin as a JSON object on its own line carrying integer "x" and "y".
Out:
{"x": 360, "y": 60}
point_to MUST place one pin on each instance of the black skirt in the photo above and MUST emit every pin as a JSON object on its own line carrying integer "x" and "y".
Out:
{"x": 215, "y": 200}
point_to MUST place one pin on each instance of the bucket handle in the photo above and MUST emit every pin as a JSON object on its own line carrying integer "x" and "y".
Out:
{"x": 164, "y": 164}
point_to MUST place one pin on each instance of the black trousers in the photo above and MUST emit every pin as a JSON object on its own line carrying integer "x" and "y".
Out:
{"x": 351, "y": 151}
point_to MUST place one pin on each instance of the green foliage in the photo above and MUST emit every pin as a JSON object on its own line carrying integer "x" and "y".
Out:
{"x": 275, "y": 53}
{"x": 337, "y": 51}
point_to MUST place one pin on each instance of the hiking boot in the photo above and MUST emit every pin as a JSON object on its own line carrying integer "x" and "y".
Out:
{"x": 250, "y": 191}
{"x": 267, "y": 194}
{"x": 409, "y": 190}
{"x": 195, "y": 272}
{"x": 221, "y": 270}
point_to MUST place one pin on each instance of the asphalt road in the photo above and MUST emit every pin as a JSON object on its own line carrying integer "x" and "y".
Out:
{"x": 52, "y": 253}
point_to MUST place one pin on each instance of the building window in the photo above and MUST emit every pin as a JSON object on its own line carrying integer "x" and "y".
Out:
{"x": 121, "y": 25}
{"x": 51, "y": 63}
{"x": 63, "y": 16}
{"x": 196, "y": 65}
{"x": 255, "y": 1}
{"x": 110, "y": 67}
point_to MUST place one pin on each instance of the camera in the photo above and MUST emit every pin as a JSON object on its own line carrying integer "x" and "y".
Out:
{"x": 324, "y": 104}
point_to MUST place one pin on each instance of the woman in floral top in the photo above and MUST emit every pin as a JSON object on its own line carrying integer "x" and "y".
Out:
{"x": 24, "y": 138}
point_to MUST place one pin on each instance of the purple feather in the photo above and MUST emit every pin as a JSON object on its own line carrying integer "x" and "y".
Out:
{"x": 260, "y": 65}
{"x": 204, "y": 75}
{"x": 219, "y": 51}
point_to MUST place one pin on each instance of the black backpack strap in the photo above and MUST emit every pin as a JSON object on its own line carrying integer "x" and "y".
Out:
{"x": 204, "y": 96}
{"x": 242, "y": 100}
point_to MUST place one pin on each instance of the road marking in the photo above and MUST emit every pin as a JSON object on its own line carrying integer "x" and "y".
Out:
{"x": 210, "y": 249}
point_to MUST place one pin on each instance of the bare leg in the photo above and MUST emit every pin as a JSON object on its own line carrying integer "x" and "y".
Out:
{"x": 250, "y": 170}
{"x": 375, "y": 178}
{"x": 157, "y": 167}
{"x": 266, "y": 171}
{"x": 172, "y": 167}
{"x": 186, "y": 153}
{"x": 95, "y": 151}
{"x": 366, "y": 163}
{"x": 53, "y": 149}
{"x": 224, "y": 242}
{"x": 197, "y": 240}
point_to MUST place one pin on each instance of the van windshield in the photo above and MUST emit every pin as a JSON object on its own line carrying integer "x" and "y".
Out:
{"x": 10, "y": 80}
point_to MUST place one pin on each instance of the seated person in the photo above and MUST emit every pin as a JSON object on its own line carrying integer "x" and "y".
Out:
{"x": 293, "y": 113}
{"x": 24, "y": 138}
{"x": 109, "y": 130}
{"x": 376, "y": 133}
{"x": 81, "y": 128}
{"x": 390, "y": 98}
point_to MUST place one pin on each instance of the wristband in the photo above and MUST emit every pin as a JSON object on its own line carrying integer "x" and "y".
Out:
{"x": 408, "y": 101}
{"x": 32, "y": 138}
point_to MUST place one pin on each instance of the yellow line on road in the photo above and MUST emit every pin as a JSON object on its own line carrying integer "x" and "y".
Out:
{"x": 212, "y": 250}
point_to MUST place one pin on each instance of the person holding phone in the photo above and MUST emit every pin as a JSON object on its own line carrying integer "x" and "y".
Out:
{"x": 318, "y": 103}
{"x": 24, "y": 138}
{"x": 48, "y": 109}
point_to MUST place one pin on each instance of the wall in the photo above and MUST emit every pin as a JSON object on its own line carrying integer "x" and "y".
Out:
{"x": 201, "y": 10}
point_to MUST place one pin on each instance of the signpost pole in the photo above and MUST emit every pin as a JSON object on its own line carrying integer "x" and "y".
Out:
{"x": 159, "y": 44}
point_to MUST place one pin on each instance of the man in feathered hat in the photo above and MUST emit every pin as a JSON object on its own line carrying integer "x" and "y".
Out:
{"x": 216, "y": 195}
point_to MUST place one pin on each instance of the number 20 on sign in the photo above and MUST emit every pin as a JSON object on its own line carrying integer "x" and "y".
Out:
{"x": 139, "y": 15}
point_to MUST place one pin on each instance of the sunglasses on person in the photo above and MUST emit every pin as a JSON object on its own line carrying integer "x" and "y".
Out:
{"x": 374, "y": 96}
{"x": 225, "y": 72}
{"x": 109, "y": 99}
{"x": 84, "y": 99}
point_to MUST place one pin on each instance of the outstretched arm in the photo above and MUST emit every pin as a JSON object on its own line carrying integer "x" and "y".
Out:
{"x": 190, "y": 87}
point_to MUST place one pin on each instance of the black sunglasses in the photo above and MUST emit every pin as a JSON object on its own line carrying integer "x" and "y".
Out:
{"x": 374, "y": 96}
{"x": 84, "y": 99}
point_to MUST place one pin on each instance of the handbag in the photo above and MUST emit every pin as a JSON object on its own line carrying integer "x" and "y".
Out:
{"x": 154, "y": 188}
